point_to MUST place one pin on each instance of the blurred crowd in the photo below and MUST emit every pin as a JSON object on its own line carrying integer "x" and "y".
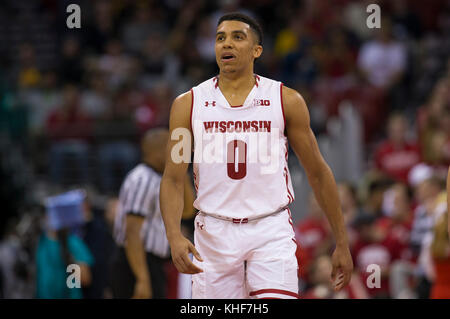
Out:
{"x": 397, "y": 231}
{"x": 75, "y": 103}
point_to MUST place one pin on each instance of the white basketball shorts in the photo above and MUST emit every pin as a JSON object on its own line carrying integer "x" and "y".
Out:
{"x": 246, "y": 260}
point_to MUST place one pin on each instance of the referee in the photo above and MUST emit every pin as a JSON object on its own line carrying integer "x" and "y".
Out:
{"x": 143, "y": 249}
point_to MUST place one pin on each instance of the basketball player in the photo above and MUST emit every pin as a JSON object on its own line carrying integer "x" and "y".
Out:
{"x": 244, "y": 239}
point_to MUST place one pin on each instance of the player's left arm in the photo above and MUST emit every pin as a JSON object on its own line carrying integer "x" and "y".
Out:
{"x": 303, "y": 142}
{"x": 188, "y": 208}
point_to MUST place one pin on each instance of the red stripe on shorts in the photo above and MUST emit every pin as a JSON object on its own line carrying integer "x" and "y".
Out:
{"x": 274, "y": 291}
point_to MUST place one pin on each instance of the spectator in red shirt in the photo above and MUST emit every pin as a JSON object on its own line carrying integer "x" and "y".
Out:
{"x": 373, "y": 248}
{"x": 396, "y": 227}
{"x": 70, "y": 130}
{"x": 396, "y": 155}
{"x": 313, "y": 235}
{"x": 69, "y": 121}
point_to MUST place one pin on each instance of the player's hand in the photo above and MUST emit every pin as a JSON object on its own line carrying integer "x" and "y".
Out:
{"x": 180, "y": 249}
{"x": 342, "y": 267}
{"x": 142, "y": 289}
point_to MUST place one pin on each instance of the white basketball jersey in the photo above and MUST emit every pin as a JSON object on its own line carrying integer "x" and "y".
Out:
{"x": 240, "y": 152}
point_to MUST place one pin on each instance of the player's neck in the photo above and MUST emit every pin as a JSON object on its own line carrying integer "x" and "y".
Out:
{"x": 241, "y": 82}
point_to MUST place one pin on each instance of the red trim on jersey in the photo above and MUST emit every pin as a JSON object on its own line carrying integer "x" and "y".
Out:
{"x": 290, "y": 219}
{"x": 216, "y": 78}
{"x": 291, "y": 198}
{"x": 292, "y": 225}
{"x": 236, "y": 105}
{"x": 282, "y": 105}
{"x": 274, "y": 291}
{"x": 192, "y": 106}
{"x": 257, "y": 79}
{"x": 290, "y": 222}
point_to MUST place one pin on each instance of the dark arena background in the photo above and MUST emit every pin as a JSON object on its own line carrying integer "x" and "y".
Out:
{"x": 77, "y": 93}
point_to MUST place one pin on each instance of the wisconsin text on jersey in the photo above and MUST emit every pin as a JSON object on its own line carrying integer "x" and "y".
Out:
{"x": 238, "y": 142}
{"x": 237, "y": 126}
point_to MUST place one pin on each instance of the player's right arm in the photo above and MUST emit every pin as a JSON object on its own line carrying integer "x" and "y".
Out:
{"x": 172, "y": 189}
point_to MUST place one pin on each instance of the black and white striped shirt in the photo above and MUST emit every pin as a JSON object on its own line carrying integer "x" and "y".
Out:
{"x": 139, "y": 195}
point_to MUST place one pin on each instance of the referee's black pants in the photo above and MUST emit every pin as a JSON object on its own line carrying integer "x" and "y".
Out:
{"x": 122, "y": 277}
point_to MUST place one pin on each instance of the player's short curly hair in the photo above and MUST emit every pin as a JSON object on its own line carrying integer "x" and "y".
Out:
{"x": 237, "y": 16}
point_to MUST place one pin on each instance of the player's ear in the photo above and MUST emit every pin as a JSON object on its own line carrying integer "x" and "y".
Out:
{"x": 257, "y": 51}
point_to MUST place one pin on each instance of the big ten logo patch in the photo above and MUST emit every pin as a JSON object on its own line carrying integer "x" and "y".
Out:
{"x": 261, "y": 102}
